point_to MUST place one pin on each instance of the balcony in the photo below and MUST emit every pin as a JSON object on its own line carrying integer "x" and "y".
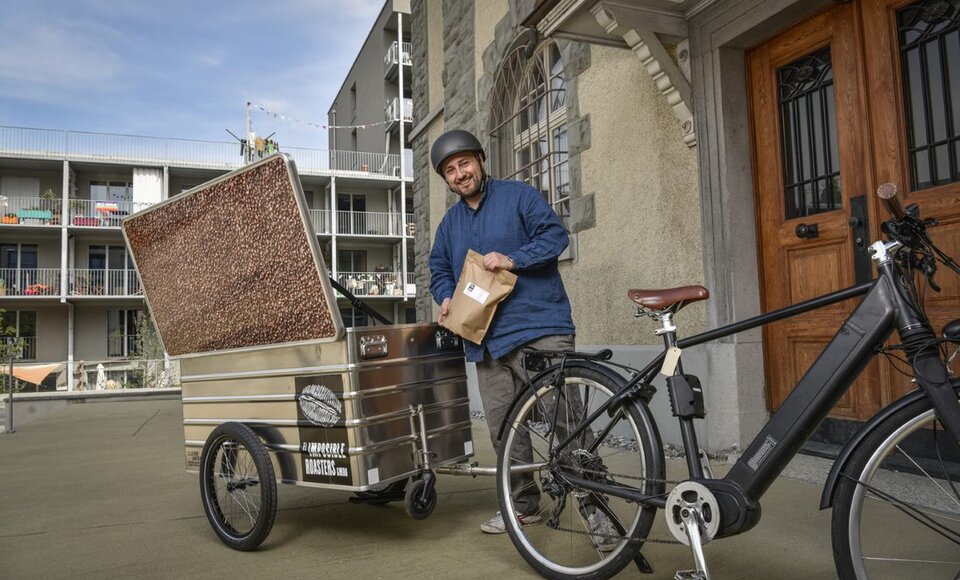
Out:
{"x": 321, "y": 221}
{"x": 393, "y": 58}
{"x": 110, "y": 283}
{"x": 102, "y": 214}
{"x": 29, "y": 211}
{"x": 29, "y": 143}
{"x": 122, "y": 345}
{"x": 371, "y": 223}
{"x": 385, "y": 284}
{"x": 391, "y": 113}
{"x": 30, "y": 282}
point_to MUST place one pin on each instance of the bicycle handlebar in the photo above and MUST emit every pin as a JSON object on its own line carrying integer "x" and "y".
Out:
{"x": 888, "y": 194}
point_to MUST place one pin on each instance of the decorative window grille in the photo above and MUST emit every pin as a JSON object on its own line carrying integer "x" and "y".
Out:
{"x": 929, "y": 35}
{"x": 528, "y": 123}
{"x": 808, "y": 135}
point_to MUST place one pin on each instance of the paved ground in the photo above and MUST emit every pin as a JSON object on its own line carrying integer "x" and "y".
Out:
{"x": 98, "y": 490}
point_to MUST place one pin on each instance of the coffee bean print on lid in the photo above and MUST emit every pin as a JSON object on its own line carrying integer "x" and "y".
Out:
{"x": 230, "y": 266}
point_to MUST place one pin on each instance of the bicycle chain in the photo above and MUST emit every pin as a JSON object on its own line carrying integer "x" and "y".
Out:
{"x": 634, "y": 540}
{"x": 647, "y": 540}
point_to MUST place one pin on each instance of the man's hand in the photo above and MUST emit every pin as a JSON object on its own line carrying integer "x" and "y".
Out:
{"x": 496, "y": 261}
{"x": 444, "y": 310}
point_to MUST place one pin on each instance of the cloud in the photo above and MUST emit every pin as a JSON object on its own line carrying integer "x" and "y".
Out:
{"x": 51, "y": 61}
{"x": 146, "y": 68}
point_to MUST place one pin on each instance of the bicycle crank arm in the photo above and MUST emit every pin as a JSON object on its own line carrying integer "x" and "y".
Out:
{"x": 692, "y": 523}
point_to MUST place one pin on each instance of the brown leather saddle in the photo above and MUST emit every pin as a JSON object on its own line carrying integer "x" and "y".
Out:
{"x": 668, "y": 299}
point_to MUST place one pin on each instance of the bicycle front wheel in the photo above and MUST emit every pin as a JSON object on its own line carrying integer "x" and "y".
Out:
{"x": 561, "y": 529}
{"x": 897, "y": 507}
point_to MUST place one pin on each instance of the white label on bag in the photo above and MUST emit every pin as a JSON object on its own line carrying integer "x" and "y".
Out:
{"x": 476, "y": 292}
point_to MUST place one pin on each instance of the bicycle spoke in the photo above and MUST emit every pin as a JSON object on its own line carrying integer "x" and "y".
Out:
{"x": 930, "y": 477}
{"x": 912, "y": 560}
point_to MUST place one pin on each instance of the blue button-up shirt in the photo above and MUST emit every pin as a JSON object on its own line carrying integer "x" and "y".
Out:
{"x": 512, "y": 219}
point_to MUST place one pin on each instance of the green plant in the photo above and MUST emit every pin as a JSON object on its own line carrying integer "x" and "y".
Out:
{"x": 149, "y": 353}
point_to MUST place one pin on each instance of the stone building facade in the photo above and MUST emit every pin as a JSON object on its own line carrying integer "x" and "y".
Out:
{"x": 629, "y": 181}
{"x": 701, "y": 140}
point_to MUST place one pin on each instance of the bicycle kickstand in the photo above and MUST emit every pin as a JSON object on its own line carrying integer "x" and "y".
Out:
{"x": 692, "y": 525}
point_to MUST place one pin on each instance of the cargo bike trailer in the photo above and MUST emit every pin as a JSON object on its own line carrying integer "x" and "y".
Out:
{"x": 273, "y": 387}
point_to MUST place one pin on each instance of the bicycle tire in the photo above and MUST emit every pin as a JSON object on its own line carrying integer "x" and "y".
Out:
{"x": 630, "y": 453}
{"x": 237, "y": 486}
{"x": 876, "y": 537}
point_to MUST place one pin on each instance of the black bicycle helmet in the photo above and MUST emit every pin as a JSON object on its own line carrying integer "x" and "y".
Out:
{"x": 451, "y": 143}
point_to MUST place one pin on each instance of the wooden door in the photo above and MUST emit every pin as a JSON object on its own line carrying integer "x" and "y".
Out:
{"x": 835, "y": 113}
{"x": 912, "y": 62}
{"x": 809, "y": 158}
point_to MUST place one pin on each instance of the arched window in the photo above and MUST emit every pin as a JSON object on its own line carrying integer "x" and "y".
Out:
{"x": 528, "y": 123}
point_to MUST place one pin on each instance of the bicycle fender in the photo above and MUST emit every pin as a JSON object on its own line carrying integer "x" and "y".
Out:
{"x": 830, "y": 486}
{"x": 572, "y": 364}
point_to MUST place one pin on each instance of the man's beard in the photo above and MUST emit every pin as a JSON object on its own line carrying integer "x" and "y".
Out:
{"x": 478, "y": 188}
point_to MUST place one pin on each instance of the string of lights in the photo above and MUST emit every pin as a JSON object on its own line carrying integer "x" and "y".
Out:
{"x": 322, "y": 126}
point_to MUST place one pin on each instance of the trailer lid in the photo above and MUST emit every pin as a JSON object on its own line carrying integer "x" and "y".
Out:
{"x": 234, "y": 264}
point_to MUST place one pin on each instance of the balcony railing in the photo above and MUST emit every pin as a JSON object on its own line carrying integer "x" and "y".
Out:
{"x": 369, "y": 223}
{"x": 30, "y": 281}
{"x": 29, "y": 350}
{"x": 31, "y": 211}
{"x": 102, "y": 214}
{"x": 372, "y": 283}
{"x": 97, "y": 282}
{"x": 129, "y": 374}
{"x": 390, "y": 58}
{"x": 321, "y": 221}
{"x": 392, "y": 111}
{"x": 122, "y": 345}
{"x": 133, "y": 149}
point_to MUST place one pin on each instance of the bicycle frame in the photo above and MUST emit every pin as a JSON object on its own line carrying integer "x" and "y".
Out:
{"x": 885, "y": 307}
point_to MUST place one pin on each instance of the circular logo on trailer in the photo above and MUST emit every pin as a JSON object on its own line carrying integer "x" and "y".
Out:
{"x": 320, "y": 406}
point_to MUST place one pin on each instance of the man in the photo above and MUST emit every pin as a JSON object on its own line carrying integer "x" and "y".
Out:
{"x": 510, "y": 224}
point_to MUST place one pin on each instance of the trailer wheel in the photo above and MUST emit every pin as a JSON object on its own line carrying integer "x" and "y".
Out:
{"x": 419, "y": 501}
{"x": 237, "y": 486}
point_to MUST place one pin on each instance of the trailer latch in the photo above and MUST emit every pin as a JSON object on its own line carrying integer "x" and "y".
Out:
{"x": 373, "y": 346}
{"x": 447, "y": 340}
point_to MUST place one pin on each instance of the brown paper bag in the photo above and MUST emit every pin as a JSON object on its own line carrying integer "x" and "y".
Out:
{"x": 475, "y": 300}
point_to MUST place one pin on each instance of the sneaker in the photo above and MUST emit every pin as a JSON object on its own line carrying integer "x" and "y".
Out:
{"x": 602, "y": 532}
{"x": 495, "y": 524}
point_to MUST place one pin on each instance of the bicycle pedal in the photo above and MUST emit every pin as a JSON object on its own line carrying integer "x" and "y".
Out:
{"x": 689, "y": 575}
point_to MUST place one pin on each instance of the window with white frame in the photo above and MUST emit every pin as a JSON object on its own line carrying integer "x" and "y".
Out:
{"x": 122, "y": 332}
{"x": 528, "y": 124}
{"x": 111, "y": 191}
{"x": 22, "y": 324}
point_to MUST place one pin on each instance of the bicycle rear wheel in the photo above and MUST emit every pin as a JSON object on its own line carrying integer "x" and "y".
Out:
{"x": 561, "y": 538}
{"x": 897, "y": 508}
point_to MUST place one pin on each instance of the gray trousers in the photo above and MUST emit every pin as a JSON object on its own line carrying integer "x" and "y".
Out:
{"x": 498, "y": 387}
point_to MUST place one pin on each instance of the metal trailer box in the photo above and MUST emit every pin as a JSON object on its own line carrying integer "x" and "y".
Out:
{"x": 235, "y": 282}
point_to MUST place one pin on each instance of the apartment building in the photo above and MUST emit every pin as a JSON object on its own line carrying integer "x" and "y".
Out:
{"x": 68, "y": 285}
{"x": 373, "y": 112}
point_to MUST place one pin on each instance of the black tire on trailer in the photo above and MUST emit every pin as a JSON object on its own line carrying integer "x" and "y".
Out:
{"x": 896, "y": 512}
{"x": 623, "y": 448}
{"x": 237, "y": 486}
{"x": 419, "y": 502}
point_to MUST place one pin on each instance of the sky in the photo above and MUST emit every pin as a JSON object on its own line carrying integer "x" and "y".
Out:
{"x": 178, "y": 68}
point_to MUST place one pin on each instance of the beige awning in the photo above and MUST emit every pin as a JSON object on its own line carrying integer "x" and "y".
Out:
{"x": 33, "y": 374}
